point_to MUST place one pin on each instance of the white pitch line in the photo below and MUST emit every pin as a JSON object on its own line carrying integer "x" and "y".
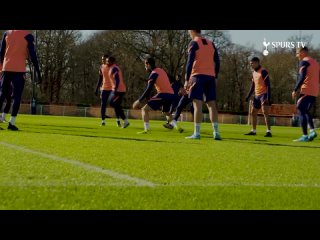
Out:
{"x": 138, "y": 181}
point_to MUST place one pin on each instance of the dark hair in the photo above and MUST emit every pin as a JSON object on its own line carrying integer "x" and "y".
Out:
{"x": 105, "y": 56}
{"x": 151, "y": 61}
{"x": 304, "y": 49}
{"x": 111, "y": 59}
{"x": 255, "y": 59}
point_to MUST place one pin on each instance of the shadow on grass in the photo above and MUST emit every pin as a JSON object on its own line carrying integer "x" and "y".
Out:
{"x": 265, "y": 142}
{"x": 60, "y": 126}
{"x": 70, "y": 132}
{"x": 97, "y": 136}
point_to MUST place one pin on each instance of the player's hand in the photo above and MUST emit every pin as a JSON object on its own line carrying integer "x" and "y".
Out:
{"x": 186, "y": 85}
{"x": 136, "y": 105}
{"x": 182, "y": 92}
{"x": 293, "y": 94}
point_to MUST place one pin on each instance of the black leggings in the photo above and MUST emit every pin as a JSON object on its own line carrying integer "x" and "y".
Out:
{"x": 104, "y": 99}
{"x": 115, "y": 100}
{"x": 184, "y": 101}
{"x": 17, "y": 79}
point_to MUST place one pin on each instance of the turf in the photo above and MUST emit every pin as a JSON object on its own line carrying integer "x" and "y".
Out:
{"x": 73, "y": 163}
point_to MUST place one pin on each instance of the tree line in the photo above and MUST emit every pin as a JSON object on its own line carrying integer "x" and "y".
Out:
{"x": 70, "y": 65}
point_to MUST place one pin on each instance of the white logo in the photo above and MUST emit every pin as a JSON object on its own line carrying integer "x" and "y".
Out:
{"x": 289, "y": 45}
{"x": 266, "y": 44}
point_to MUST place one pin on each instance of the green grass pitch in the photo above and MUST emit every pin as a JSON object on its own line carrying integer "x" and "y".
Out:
{"x": 73, "y": 163}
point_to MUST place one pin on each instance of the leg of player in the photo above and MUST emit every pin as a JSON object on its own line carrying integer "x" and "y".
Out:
{"x": 197, "y": 104}
{"x": 169, "y": 118}
{"x": 302, "y": 105}
{"x": 213, "y": 114}
{"x": 184, "y": 101}
{"x": 265, "y": 110}
{"x": 145, "y": 117}
{"x": 254, "y": 113}
{"x": 104, "y": 99}
{"x": 312, "y": 135}
{"x": 18, "y": 86}
{"x": 304, "y": 124}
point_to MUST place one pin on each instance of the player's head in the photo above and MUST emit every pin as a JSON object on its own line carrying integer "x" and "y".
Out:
{"x": 149, "y": 64}
{"x": 194, "y": 33}
{"x": 302, "y": 52}
{"x": 255, "y": 62}
{"x": 110, "y": 61}
{"x": 104, "y": 58}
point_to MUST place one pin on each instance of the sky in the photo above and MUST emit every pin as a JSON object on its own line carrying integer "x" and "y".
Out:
{"x": 256, "y": 37}
{"x": 87, "y": 33}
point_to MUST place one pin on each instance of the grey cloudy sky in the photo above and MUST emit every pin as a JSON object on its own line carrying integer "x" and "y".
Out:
{"x": 255, "y": 37}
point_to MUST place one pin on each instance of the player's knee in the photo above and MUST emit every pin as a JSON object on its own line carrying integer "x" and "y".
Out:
{"x": 167, "y": 114}
{"x": 145, "y": 108}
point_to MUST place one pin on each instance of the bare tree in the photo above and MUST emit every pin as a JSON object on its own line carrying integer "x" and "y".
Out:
{"x": 55, "y": 49}
{"x": 234, "y": 78}
{"x": 282, "y": 68}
